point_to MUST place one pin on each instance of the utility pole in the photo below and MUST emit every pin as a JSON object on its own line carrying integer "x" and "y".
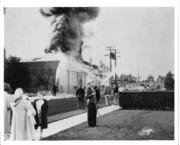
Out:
{"x": 115, "y": 66}
{"x": 112, "y": 55}
{"x": 115, "y": 59}
{"x": 138, "y": 73}
{"x": 110, "y": 49}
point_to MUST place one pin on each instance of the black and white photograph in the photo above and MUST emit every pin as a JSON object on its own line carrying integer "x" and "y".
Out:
{"x": 90, "y": 73}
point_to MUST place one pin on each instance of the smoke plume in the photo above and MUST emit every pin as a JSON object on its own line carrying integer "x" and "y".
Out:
{"x": 67, "y": 30}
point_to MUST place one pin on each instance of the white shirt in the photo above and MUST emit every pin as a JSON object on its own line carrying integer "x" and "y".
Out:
{"x": 39, "y": 103}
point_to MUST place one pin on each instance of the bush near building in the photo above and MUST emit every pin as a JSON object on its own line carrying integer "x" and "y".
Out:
{"x": 15, "y": 74}
{"x": 147, "y": 100}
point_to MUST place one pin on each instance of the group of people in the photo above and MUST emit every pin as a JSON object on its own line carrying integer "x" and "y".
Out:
{"x": 108, "y": 92}
{"x": 80, "y": 94}
{"x": 28, "y": 116}
{"x": 92, "y": 95}
{"x": 22, "y": 118}
{"x": 113, "y": 91}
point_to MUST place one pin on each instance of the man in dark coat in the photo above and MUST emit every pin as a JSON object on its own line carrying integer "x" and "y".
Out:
{"x": 54, "y": 90}
{"x": 97, "y": 93}
{"x": 80, "y": 95}
{"x": 91, "y": 102}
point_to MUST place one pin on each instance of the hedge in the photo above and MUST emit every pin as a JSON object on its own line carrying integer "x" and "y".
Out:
{"x": 147, "y": 100}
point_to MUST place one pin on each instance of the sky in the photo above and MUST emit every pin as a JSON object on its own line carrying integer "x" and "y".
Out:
{"x": 142, "y": 35}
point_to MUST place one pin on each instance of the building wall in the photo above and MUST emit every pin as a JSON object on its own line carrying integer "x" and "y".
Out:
{"x": 34, "y": 69}
{"x": 66, "y": 76}
{"x": 69, "y": 77}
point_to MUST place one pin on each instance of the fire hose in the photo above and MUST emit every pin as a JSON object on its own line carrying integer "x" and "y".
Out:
{"x": 120, "y": 130}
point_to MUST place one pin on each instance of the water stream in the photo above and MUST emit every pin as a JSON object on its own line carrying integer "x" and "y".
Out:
{"x": 64, "y": 66}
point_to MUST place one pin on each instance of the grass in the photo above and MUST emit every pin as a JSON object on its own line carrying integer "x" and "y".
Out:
{"x": 131, "y": 121}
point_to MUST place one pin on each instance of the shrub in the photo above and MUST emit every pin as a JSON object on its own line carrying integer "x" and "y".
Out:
{"x": 163, "y": 100}
{"x": 15, "y": 74}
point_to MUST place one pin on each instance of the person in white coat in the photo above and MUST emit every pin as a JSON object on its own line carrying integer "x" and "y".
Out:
{"x": 7, "y": 111}
{"x": 22, "y": 120}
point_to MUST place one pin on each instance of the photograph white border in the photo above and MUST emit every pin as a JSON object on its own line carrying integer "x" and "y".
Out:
{"x": 99, "y": 3}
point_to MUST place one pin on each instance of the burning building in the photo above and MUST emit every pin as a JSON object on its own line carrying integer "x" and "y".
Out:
{"x": 45, "y": 72}
{"x": 69, "y": 70}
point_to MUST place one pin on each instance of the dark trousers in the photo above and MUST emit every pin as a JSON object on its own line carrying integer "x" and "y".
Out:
{"x": 97, "y": 98}
{"x": 54, "y": 93}
{"x": 92, "y": 112}
{"x": 81, "y": 103}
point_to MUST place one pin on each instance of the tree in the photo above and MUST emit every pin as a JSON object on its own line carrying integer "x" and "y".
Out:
{"x": 127, "y": 78}
{"x": 122, "y": 78}
{"x": 169, "y": 81}
{"x": 130, "y": 78}
{"x": 15, "y": 73}
{"x": 161, "y": 78}
{"x": 150, "y": 78}
{"x": 44, "y": 76}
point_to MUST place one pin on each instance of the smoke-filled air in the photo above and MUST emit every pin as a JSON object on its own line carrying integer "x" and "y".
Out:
{"x": 67, "y": 28}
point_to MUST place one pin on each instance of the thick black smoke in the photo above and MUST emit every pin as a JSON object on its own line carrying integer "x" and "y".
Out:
{"x": 67, "y": 30}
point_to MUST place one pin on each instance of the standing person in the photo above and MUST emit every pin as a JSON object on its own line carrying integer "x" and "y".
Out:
{"x": 54, "y": 90}
{"x": 97, "y": 93}
{"x": 41, "y": 107}
{"x": 80, "y": 95}
{"x": 116, "y": 95}
{"x": 7, "y": 111}
{"x": 22, "y": 123}
{"x": 92, "y": 111}
{"x": 107, "y": 94}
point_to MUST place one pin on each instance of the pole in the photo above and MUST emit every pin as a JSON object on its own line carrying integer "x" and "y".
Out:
{"x": 115, "y": 59}
{"x": 110, "y": 81}
{"x": 115, "y": 67}
{"x": 110, "y": 59}
{"x": 138, "y": 72}
{"x": 110, "y": 50}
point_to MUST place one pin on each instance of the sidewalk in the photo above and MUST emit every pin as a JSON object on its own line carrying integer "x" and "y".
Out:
{"x": 64, "y": 124}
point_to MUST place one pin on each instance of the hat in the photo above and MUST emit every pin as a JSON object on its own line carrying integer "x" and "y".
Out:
{"x": 89, "y": 82}
{"x": 18, "y": 93}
